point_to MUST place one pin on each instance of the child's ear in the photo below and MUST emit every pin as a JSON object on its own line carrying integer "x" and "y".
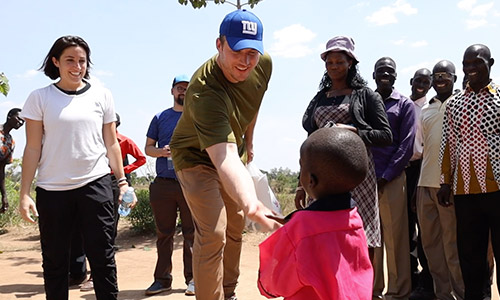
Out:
{"x": 313, "y": 182}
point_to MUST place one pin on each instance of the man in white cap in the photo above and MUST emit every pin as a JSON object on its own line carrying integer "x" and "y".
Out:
{"x": 212, "y": 142}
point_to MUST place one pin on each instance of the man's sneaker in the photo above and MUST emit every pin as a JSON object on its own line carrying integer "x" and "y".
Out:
{"x": 87, "y": 286}
{"x": 157, "y": 288}
{"x": 190, "y": 289}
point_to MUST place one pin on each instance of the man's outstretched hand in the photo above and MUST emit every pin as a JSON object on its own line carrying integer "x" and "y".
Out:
{"x": 258, "y": 213}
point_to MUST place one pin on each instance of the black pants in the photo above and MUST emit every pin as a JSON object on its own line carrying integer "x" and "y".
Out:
{"x": 89, "y": 210}
{"x": 77, "y": 259}
{"x": 477, "y": 216}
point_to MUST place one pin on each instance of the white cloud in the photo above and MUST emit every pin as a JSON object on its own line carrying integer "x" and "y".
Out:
{"x": 481, "y": 10}
{"x": 7, "y": 105}
{"x": 398, "y": 42}
{"x": 421, "y": 43}
{"x": 96, "y": 80}
{"x": 475, "y": 23}
{"x": 292, "y": 42}
{"x": 414, "y": 44}
{"x": 410, "y": 70}
{"x": 388, "y": 14}
{"x": 360, "y": 5}
{"x": 496, "y": 79}
{"x": 478, "y": 13}
{"x": 102, "y": 73}
{"x": 28, "y": 74}
{"x": 466, "y": 4}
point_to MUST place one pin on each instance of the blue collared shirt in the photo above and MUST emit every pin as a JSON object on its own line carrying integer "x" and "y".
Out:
{"x": 390, "y": 161}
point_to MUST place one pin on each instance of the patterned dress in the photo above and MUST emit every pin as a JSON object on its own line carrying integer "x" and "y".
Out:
{"x": 7, "y": 145}
{"x": 365, "y": 194}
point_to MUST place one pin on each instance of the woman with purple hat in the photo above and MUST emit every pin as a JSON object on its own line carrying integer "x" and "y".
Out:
{"x": 345, "y": 101}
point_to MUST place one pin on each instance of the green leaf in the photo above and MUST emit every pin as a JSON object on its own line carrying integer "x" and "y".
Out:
{"x": 4, "y": 84}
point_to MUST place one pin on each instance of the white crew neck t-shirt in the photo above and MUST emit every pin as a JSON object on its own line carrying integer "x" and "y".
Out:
{"x": 73, "y": 149}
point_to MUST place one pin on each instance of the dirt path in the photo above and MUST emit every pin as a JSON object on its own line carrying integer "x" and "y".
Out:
{"x": 21, "y": 270}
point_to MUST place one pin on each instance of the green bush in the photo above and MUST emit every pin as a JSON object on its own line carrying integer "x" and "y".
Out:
{"x": 287, "y": 202}
{"x": 282, "y": 181}
{"x": 141, "y": 217}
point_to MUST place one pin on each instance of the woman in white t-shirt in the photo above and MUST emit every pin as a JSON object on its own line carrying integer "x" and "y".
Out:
{"x": 71, "y": 140}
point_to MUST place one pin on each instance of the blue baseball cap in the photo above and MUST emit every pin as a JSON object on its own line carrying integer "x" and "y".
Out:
{"x": 242, "y": 30}
{"x": 181, "y": 78}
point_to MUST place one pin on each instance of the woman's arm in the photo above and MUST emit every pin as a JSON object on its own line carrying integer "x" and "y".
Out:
{"x": 379, "y": 131}
{"x": 31, "y": 157}
{"x": 115, "y": 157}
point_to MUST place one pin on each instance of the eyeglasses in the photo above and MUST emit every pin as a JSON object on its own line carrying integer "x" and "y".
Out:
{"x": 180, "y": 89}
{"x": 442, "y": 75}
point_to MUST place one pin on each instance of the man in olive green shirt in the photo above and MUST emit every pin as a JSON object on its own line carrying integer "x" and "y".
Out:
{"x": 211, "y": 144}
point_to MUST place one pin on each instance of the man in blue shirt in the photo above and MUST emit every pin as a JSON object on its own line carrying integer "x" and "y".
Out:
{"x": 390, "y": 163}
{"x": 166, "y": 196}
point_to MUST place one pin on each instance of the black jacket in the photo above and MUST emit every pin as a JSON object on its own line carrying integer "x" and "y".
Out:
{"x": 367, "y": 112}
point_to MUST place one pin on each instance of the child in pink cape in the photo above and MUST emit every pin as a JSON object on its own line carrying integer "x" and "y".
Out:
{"x": 321, "y": 252}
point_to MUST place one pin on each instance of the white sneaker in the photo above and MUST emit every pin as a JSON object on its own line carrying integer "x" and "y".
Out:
{"x": 190, "y": 289}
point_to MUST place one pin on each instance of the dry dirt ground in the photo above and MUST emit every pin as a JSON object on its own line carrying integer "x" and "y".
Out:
{"x": 21, "y": 270}
{"x": 21, "y": 267}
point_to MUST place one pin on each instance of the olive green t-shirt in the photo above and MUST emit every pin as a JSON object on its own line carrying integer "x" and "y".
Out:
{"x": 217, "y": 111}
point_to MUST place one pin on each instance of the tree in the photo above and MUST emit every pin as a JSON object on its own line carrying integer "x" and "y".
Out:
{"x": 203, "y": 3}
{"x": 282, "y": 180}
{"x": 4, "y": 84}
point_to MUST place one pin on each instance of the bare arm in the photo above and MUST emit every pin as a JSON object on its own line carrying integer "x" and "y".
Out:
{"x": 249, "y": 139}
{"x": 238, "y": 183}
{"x": 31, "y": 157}
{"x": 115, "y": 156}
{"x": 153, "y": 151}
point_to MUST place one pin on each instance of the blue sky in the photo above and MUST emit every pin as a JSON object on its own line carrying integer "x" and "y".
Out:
{"x": 139, "y": 46}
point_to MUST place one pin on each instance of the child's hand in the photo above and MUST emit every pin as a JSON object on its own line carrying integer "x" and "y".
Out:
{"x": 277, "y": 218}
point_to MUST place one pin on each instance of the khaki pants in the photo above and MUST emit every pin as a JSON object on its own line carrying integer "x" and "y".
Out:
{"x": 219, "y": 223}
{"x": 439, "y": 240}
{"x": 394, "y": 221}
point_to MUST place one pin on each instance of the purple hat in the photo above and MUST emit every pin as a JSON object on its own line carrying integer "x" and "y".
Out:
{"x": 242, "y": 30}
{"x": 340, "y": 43}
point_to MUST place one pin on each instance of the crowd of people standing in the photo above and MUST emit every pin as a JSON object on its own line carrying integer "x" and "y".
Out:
{"x": 417, "y": 177}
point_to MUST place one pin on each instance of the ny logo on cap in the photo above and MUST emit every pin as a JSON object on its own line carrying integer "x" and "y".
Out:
{"x": 249, "y": 27}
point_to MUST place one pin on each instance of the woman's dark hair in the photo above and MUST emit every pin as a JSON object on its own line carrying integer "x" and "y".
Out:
{"x": 354, "y": 79}
{"x": 57, "y": 49}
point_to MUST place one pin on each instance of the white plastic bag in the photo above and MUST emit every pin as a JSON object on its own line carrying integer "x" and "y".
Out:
{"x": 264, "y": 193}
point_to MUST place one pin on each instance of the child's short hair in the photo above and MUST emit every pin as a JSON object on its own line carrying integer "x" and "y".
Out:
{"x": 336, "y": 156}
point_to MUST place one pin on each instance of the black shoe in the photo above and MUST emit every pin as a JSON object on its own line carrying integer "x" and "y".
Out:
{"x": 421, "y": 293}
{"x": 72, "y": 281}
{"x": 157, "y": 288}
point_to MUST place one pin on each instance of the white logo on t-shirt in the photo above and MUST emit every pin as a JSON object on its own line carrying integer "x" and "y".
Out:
{"x": 249, "y": 27}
